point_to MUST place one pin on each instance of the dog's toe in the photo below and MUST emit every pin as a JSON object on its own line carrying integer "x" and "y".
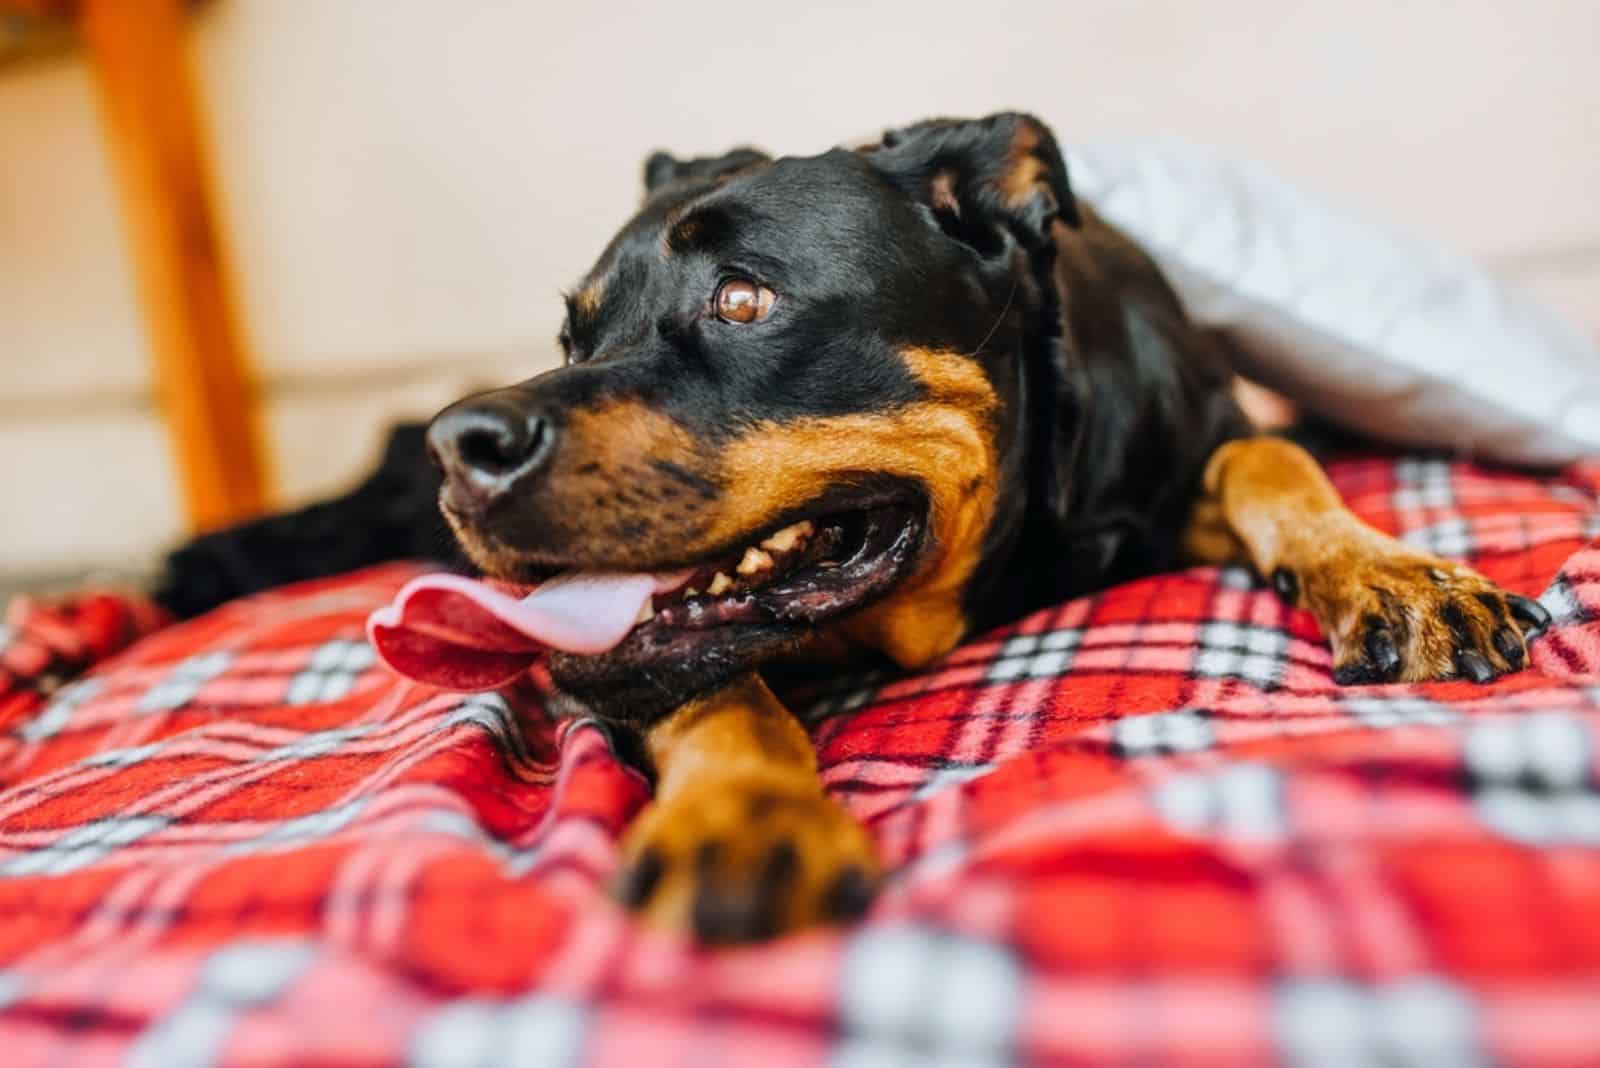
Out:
{"x": 1532, "y": 616}
{"x": 1378, "y": 659}
{"x": 740, "y": 861}
{"x": 747, "y": 906}
{"x": 1402, "y": 616}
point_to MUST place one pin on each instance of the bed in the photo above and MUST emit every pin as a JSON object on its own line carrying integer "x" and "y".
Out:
{"x": 1136, "y": 828}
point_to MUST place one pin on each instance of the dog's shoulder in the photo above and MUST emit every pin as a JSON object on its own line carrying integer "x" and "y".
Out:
{"x": 1132, "y": 398}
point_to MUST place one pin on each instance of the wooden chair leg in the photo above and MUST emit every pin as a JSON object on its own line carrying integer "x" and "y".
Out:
{"x": 152, "y": 129}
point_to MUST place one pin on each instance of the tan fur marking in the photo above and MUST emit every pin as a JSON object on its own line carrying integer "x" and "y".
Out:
{"x": 634, "y": 513}
{"x": 736, "y": 773}
{"x": 1208, "y": 538}
{"x": 621, "y": 434}
{"x": 944, "y": 443}
{"x": 739, "y": 730}
{"x": 1284, "y": 513}
{"x": 681, "y": 233}
{"x": 1024, "y": 170}
{"x": 587, "y": 300}
{"x": 624, "y": 507}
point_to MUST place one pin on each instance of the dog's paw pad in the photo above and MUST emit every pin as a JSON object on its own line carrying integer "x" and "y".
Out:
{"x": 741, "y": 861}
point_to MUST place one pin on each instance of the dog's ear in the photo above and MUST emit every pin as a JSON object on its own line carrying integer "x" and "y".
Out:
{"x": 662, "y": 168}
{"x": 972, "y": 174}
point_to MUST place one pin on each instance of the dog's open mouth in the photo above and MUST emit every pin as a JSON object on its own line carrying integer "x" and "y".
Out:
{"x": 465, "y": 633}
{"x": 806, "y": 572}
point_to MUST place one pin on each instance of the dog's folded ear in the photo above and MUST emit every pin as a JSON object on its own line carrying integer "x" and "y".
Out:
{"x": 662, "y": 168}
{"x": 975, "y": 173}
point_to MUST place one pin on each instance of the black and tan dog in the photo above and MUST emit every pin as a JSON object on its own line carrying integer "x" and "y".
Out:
{"x": 878, "y": 398}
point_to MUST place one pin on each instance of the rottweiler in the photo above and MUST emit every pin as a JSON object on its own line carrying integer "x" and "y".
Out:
{"x": 869, "y": 401}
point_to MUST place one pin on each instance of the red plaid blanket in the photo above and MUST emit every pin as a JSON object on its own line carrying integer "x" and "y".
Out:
{"x": 1140, "y": 828}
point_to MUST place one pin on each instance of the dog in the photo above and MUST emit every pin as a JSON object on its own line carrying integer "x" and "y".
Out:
{"x": 874, "y": 400}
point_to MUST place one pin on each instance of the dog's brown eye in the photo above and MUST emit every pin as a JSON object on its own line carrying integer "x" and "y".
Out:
{"x": 740, "y": 300}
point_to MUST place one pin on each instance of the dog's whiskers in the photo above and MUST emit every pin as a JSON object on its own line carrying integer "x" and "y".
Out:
{"x": 998, "y": 320}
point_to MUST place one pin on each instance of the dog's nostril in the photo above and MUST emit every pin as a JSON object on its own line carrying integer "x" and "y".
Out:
{"x": 491, "y": 449}
{"x": 496, "y": 441}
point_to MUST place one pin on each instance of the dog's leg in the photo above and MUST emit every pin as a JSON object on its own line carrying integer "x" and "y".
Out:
{"x": 1390, "y": 612}
{"x": 741, "y": 843}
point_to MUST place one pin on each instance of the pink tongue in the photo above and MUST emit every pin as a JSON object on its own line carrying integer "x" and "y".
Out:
{"x": 458, "y": 633}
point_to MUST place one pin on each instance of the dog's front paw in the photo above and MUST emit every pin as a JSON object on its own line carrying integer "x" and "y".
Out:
{"x": 745, "y": 859}
{"x": 1393, "y": 614}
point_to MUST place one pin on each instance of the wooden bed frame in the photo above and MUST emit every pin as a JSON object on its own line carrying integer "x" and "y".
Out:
{"x": 152, "y": 125}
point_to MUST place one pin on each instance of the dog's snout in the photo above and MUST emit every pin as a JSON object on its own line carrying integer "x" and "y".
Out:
{"x": 488, "y": 445}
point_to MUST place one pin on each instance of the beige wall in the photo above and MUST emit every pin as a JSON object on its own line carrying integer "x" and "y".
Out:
{"x": 407, "y": 184}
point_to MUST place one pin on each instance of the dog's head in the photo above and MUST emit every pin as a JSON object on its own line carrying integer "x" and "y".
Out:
{"x": 803, "y": 379}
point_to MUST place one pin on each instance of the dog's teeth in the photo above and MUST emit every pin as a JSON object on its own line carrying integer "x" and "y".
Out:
{"x": 754, "y": 560}
{"x": 690, "y": 591}
{"x": 788, "y": 537}
{"x": 647, "y": 612}
{"x": 720, "y": 584}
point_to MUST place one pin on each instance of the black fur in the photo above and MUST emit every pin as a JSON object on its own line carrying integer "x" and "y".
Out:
{"x": 392, "y": 515}
{"x": 1111, "y": 400}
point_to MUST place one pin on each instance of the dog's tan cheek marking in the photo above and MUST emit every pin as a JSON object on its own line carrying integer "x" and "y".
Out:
{"x": 624, "y": 473}
{"x": 944, "y": 443}
{"x": 622, "y": 433}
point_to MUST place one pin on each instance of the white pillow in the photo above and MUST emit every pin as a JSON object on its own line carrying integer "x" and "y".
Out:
{"x": 1404, "y": 342}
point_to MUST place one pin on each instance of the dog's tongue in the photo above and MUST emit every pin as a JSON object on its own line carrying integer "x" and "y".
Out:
{"x": 459, "y": 633}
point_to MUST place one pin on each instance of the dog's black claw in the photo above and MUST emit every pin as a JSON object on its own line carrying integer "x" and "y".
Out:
{"x": 1533, "y": 616}
{"x": 1510, "y": 645}
{"x": 726, "y": 914}
{"x": 781, "y": 866}
{"x": 1381, "y": 660}
{"x": 639, "y": 881}
{"x": 736, "y": 911}
{"x": 849, "y": 896}
{"x": 707, "y": 857}
{"x": 1359, "y": 673}
{"x": 1471, "y": 664}
{"x": 1383, "y": 654}
{"x": 722, "y": 917}
{"x": 1286, "y": 585}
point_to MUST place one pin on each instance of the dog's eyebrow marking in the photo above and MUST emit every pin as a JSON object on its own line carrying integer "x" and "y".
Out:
{"x": 683, "y": 234}
{"x": 586, "y": 302}
{"x": 699, "y": 227}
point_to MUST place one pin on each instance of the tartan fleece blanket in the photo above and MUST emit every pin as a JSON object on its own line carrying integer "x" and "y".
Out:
{"x": 1140, "y": 828}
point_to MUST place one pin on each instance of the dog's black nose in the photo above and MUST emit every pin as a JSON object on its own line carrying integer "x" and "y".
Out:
{"x": 487, "y": 445}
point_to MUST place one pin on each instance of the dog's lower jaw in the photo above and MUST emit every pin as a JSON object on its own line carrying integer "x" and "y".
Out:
{"x": 642, "y": 698}
{"x": 912, "y": 629}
